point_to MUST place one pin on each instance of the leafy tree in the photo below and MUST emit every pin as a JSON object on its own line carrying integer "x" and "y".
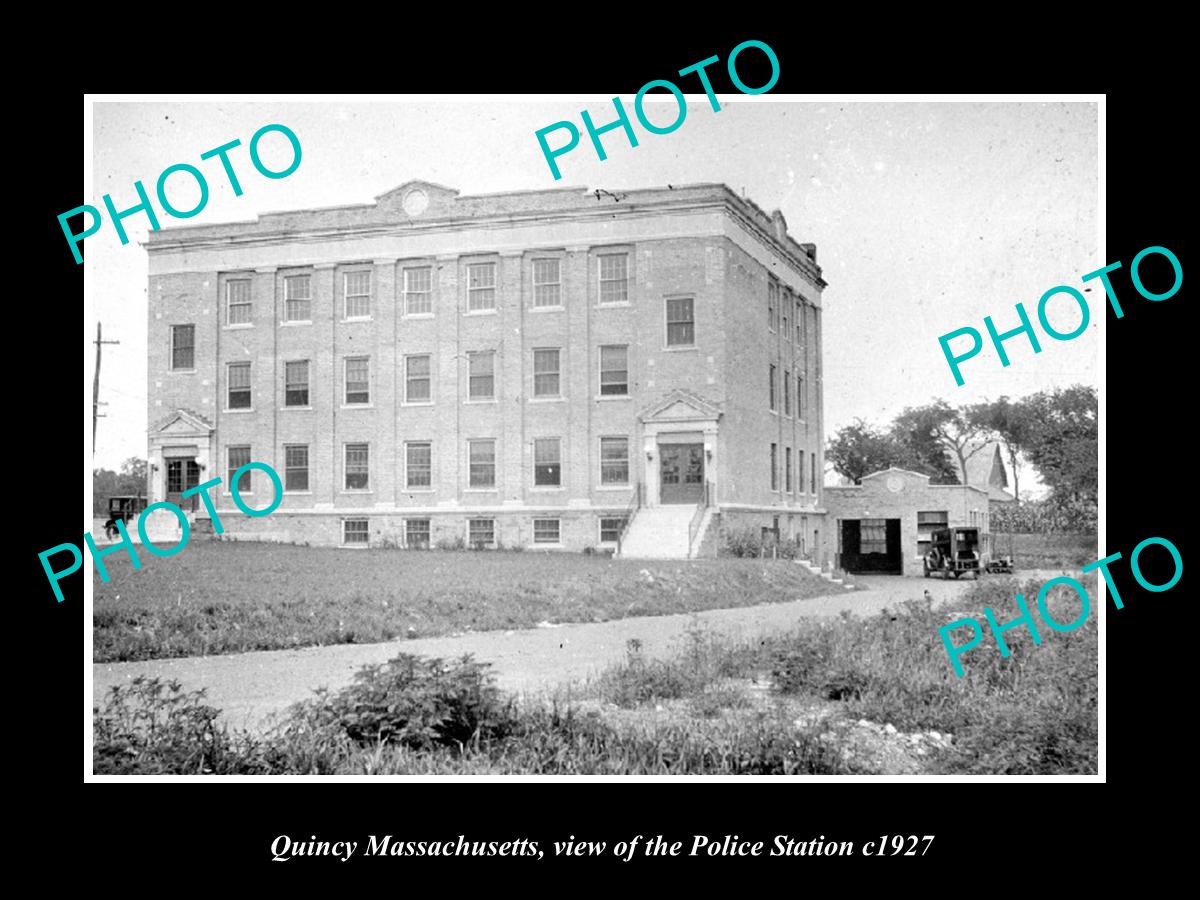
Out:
{"x": 859, "y": 449}
{"x": 130, "y": 481}
{"x": 1063, "y": 441}
{"x": 936, "y": 436}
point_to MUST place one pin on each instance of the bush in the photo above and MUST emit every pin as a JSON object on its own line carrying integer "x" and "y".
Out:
{"x": 749, "y": 541}
{"x": 1049, "y": 516}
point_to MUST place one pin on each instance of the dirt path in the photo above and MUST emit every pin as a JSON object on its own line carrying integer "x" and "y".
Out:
{"x": 248, "y": 687}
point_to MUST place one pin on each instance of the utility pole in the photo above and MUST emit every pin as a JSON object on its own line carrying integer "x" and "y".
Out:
{"x": 96, "y": 386}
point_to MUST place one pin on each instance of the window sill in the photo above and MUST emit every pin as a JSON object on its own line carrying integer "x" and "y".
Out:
{"x": 181, "y": 371}
{"x": 298, "y": 408}
{"x": 546, "y": 309}
{"x": 356, "y": 491}
{"x": 691, "y": 348}
{"x": 288, "y": 493}
{"x": 481, "y": 312}
{"x": 546, "y": 489}
{"x": 541, "y": 545}
{"x": 357, "y": 406}
{"x": 614, "y": 487}
{"x": 417, "y": 403}
{"x": 491, "y": 402}
{"x": 420, "y": 490}
{"x": 623, "y": 304}
{"x": 346, "y": 321}
{"x": 291, "y": 322}
{"x": 603, "y": 398}
{"x": 427, "y": 315}
{"x": 234, "y": 412}
{"x": 354, "y": 546}
{"x": 238, "y": 327}
{"x": 481, "y": 490}
{"x": 546, "y": 399}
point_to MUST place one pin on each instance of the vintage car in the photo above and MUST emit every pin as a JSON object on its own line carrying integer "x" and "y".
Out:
{"x": 122, "y": 509}
{"x": 953, "y": 551}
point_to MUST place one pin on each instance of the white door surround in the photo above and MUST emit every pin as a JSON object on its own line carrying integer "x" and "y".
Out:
{"x": 681, "y": 414}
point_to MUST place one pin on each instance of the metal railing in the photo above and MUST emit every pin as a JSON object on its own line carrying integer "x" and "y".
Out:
{"x": 635, "y": 503}
{"x": 698, "y": 517}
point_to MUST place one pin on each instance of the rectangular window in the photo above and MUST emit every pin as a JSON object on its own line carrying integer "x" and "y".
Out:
{"x": 358, "y": 467}
{"x": 681, "y": 325}
{"x": 358, "y": 380}
{"x": 771, "y": 387}
{"x": 295, "y": 383}
{"x": 358, "y": 295}
{"x": 614, "y": 278}
{"x": 787, "y": 469}
{"x": 787, "y": 392}
{"x": 297, "y": 298}
{"x": 356, "y": 532}
{"x": 614, "y": 460}
{"x": 481, "y": 533}
{"x": 774, "y": 467}
{"x": 295, "y": 462}
{"x": 239, "y": 386}
{"x": 800, "y": 472}
{"x": 482, "y": 463}
{"x": 238, "y": 457}
{"x": 614, "y": 370}
{"x": 418, "y": 384}
{"x": 546, "y": 531}
{"x": 873, "y": 536}
{"x": 546, "y": 373}
{"x": 183, "y": 347}
{"x": 547, "y": 462}
{"x": 772, "y": 306}
{"x": 800, "y": 399}
{"x": 418, "y": 464}
{"x": 784, "y": 305}
{"x": 239, "y": 309}
{"x": 482, "y": 377}
{"x": 416, "y": 534}
{"x": 418, "y": 291}
{"x": 812, "y": 478}
{"x": 611, "y": 528}
{"x": 481, "y": 286}
{"x": 547, "y": 282}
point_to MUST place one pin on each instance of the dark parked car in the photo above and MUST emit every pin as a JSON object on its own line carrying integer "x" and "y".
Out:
{"x": 122, "y": 509}
{"x": 953, "y": 551}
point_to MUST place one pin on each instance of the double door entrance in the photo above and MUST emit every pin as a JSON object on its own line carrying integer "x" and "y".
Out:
{"x": 182, "y": 475}
{"x": 681, "y": 473}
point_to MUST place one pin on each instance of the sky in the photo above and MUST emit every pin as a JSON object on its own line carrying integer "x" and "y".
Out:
{"x": 926, "y": 216}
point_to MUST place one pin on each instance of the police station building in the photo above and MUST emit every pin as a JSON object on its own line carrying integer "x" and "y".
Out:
{"x": 528, "y": 369}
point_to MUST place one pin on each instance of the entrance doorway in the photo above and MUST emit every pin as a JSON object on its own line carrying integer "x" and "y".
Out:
{"x": 182, "y": 475}
{"x": 871, "y": 546}
{"x": 681, "y": 473}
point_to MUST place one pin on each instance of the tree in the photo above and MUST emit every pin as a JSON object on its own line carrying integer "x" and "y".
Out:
{"x": 134, "y": 470}
{"x": 1062, "y": 442}
{"x": 936, "y": 436}
{"x": 859, "y": 449}
{"x": 129, "y": 482}
{"x": 1008, "y": 422}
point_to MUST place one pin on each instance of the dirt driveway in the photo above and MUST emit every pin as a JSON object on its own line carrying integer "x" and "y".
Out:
{"x": 249, "y": 687}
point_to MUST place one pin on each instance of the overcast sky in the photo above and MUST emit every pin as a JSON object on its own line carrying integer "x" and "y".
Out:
{"x": 926, "y": 217}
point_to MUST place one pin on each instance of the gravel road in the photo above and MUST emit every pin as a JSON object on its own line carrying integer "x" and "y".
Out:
{"x": 249, "y": 687}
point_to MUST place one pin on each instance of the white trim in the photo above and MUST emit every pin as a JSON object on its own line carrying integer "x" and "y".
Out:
{"x": 354, "y": 269}
{"x": 666, "y": 298}
{"x": 600, "y": 372}
{"x": 345, "y": 382}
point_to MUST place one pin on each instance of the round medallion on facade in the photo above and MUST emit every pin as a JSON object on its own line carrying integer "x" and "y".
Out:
{"x": 895, "y": 484}
{"x": 415, "y": 202}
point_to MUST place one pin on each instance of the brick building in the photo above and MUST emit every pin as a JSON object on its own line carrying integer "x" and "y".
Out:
{"x": 525, "y": 368}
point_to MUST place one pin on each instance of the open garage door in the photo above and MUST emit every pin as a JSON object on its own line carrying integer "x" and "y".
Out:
{"x": 871, "y": 546}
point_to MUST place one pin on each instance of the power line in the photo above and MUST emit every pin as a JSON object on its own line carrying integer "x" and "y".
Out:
{"x": 96, "y": 414}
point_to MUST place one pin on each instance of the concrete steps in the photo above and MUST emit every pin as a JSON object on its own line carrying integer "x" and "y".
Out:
{"x": 658, "y": 532}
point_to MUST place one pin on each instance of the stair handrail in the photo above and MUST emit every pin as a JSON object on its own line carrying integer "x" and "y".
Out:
{"x": 698, "y": 516}
{"x": 631, "y": 508}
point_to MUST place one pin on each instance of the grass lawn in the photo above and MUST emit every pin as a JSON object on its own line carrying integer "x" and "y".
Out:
{"x": 1049, "y": 551}
{"x": 232, "y": 597}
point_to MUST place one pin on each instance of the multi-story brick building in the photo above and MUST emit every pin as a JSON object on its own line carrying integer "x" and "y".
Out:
{"x": 515, "y": 369}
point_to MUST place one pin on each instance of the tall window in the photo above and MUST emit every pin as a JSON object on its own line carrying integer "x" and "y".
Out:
{"x": 546, "y": 531}
{"x": 358, "y": 380}
{"x": 358, "y": 467}
{"x": 547, "y": 282}
{"x": 183, "y": 347}
{"x": 546, "y": 373}
{"x": 418, "y": 464}
{"x": 800, "y": 398}
{"x": 358, "y": 295}
{"x": 812, "y": 479}
{"x": 873, "y": 536}
{"x": 610, "y": 528}
{"x": 481, "y": 286}
{"x": 770, "y": 387}
{"x": 238, "y": 457}
{"x": 295, "y": 383}
{"x": 295, "y": 463}
{"x": 614, "y": 278}
{"x": 787, "y": 392}
{"x": 787, "y": 469}
{"x": 417, "y": 380}
{"x": 356, "y": 532}
{"x": 239, "y": 386}
{"x": 416, "y": 534}
{"x": 482, "y": 463}
{"x": 800, "y": 472}
{"x": 482, "y": 377}
{"x": 681, "y": 324}
{"x": 297, "y": 298}
{"x": 772, "y": 306}
{"x": 774, "y": 467}
{"x": 239, "y": 309}
{"x": 784, "y": 305}
{"x": 614, "y": 370}
{"x": 481, "y": 532}
{"x": 547, "y": 462}
{"x": 418, "y": 291}
{"x": 614, "y": 460}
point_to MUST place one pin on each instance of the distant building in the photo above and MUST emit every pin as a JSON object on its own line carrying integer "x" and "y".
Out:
{"x": 508, "y": 369}
{"x": 985, "y": 469}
